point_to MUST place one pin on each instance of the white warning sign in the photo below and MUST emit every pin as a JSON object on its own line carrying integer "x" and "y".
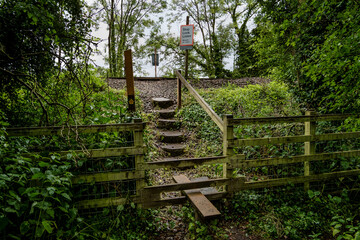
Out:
{"x": 186, "y": 36}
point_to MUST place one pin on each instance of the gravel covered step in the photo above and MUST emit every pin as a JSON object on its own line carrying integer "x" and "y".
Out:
{"x": 174, "y": 149}
{"x": 162, "y": 102}
{"x": 168, "y": 124}
{"x": 165, "y": 114}
{"x": 171, "y": 136}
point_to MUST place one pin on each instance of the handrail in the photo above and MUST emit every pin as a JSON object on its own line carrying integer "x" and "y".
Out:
{"x": 219, "y": 122}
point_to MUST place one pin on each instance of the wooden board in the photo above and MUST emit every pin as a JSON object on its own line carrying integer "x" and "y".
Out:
{"x": 291, "y": 119}
{"x": 293, "y": 139}
{"x": 202, "y": 102}
{"x": 200, "y": 202}
{"x": 65, "y": 130}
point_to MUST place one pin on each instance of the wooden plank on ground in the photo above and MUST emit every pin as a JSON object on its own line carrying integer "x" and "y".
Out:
{"x": 199, "y": 201}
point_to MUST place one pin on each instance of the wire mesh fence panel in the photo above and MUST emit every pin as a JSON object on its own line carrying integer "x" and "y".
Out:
{"x": 308, "y": 151}
{"x": 103, "y": 159}
{"x": 103, "y": 165}
{"x": 100, "y": 190}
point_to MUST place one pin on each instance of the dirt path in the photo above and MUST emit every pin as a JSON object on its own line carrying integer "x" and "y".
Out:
{"x": 167, "y": 88}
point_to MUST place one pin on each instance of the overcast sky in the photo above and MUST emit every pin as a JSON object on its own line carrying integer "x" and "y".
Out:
{"x": 102, "y": 33}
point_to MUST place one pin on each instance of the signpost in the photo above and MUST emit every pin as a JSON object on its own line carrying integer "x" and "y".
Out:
{"x": 155, "y": 60}
{"x": 187, "y": 36}
{"x": 186, "y": 43}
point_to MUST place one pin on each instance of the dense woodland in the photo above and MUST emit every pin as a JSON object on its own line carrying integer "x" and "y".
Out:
{"x": 309, "y": 49}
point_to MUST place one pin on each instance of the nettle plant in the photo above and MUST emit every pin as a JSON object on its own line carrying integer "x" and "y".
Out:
{"x": 35, "y": 192}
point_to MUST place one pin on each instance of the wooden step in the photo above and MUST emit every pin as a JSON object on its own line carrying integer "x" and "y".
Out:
{"x": 174, "y": 150}
{"x": 199, "y": 201}
{"x": 165, "y": 113}
{"x": 205, "y": 191}
{"x": 162, "y": 102}
{"x": 168, "y": 124}
{"x": 171, "y": 136}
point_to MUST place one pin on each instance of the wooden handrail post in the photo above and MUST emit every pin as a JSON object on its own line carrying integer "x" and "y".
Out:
{"x": 178, "y": 90}
{"x": 309, "y": 147}
{"x": 139, "y": 160}
{"x": 228, "y": 151}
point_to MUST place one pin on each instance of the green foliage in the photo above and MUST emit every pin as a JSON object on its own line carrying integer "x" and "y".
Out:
{"x": 278, "y": 214}
{"x": 313, "y": 47}
{"x": 44, "y": 51}
{"x": 127, "y": 21}
{"x": 37, "y": 197}
{"x": 201, "y": 230}
{"x": 272, "y": 99}
{"x": 35, "y": 194}
{"x": 121, "y": 222}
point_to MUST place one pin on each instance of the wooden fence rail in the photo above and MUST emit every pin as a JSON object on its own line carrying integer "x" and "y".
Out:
{"x": 137, "y": 150}
{"x": 150, "y": 196}
{"x": 309, "y": 138}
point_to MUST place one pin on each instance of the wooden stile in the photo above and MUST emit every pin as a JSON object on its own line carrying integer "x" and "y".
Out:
{"x": 198, "y": 200}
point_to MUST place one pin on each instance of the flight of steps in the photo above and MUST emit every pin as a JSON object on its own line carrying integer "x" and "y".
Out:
{"x": 172, "y": 143}
{"x": 172, "y": 140}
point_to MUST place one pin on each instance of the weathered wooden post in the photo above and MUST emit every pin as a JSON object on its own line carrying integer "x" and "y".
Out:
{"x": 186, "y": 43}
{"x": 228, "y": 135}
{"x": 139, "y": 160}
{"x": 310, "y": 128}
{"x": 129, "y": 80}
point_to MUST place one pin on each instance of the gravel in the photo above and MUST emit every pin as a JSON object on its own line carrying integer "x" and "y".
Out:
{"x": 166, "y": 88}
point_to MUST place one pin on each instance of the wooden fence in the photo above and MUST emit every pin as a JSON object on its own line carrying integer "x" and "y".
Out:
{"x": 145, "y": 196}
{"x": 309, "y": 138}
{"x": 137, "y": 150}
{"x": 150, "y": 196}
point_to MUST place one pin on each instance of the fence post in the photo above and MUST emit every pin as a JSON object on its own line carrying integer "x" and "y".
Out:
{"x": 228, "y": 151}
{"x": 178, "y": 89}
{"x": 129, "y": 80}
{"x": 309, "y": 147}
{"x": 139, "y": 160}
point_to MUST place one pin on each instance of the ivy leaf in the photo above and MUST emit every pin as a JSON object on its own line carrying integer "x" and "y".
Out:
{"x": 336, "y": 231}
{"x": 51, "y": 212}
{"x": 37, "y": 176}
{"x": 65, "y": 195}
{"x": 47, "y": 226}
{"x": 10, "y": 210}
{"x": 44, "y": 164}
{"x": 24, "y": 227}
{"x": 51, "y": 190}
{"x": 13, "y": 194}
{"x": 5, "y": 177}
